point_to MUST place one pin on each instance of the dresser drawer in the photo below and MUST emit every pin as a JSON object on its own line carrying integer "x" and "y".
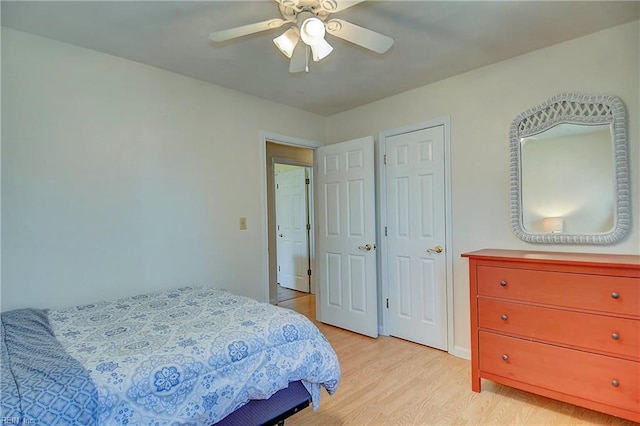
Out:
{"x": 611, "y": 335}
{"x": 599, "y": 378}
{"x": 608, "y": 294}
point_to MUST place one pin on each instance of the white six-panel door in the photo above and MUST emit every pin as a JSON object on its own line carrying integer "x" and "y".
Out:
{"x": 292, "y": 246}
{"x": 347, "y": 290}
{"x": 416, "y": 262}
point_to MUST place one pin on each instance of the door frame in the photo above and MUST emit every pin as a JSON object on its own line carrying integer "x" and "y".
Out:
{"x": 282, "y": 140}
{"x": 381, "y": 213}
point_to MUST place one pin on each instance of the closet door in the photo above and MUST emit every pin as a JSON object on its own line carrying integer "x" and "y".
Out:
{"x": 416, "y": 211}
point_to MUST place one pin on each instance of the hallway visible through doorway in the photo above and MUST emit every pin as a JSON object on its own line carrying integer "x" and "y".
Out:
{"x": 290, "y": 255}
{"x": 288, "y": 294}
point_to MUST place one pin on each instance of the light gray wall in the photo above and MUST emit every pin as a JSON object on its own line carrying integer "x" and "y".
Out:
{"x": 118, "y": 178}
{"x": 482, "y": 105}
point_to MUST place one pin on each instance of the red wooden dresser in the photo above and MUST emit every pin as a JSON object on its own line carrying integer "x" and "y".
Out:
{"x": 562, "y": 325}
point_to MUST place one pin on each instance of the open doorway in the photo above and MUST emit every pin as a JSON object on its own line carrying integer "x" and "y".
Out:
{"x": 293, "y": 228}
{"x": 290, "y": 255}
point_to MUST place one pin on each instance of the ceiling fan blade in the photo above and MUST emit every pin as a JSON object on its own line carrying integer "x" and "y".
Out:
{"x": 293, "y": 4}
{"x": 244, "y": 30}
{"x": 324, "y": 8}
{"x": 298, "y": 59}
{"x": 345, "y": 4}
{"x": 356, "y": 34}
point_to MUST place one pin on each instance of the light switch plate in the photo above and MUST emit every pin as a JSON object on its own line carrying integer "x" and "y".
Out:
{"x": 243, "y": 223}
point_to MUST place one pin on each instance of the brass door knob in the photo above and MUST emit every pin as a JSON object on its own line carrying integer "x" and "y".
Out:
{"x": 436, "y": 249}
{"x": 366, "y": 247}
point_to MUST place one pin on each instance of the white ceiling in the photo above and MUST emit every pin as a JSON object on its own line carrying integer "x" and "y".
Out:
{"x": 433, "y": 40}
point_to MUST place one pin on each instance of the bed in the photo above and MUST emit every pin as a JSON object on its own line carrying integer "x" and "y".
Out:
{"x": 193, "y": 355}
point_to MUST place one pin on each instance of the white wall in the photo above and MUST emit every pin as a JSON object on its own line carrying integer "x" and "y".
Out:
{"x": 118, "y": 178}
{"x": 482, "y": 105}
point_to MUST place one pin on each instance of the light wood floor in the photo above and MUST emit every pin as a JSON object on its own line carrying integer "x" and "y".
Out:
{"x": 389, "y": 381}
{"x": 285, "y": 293}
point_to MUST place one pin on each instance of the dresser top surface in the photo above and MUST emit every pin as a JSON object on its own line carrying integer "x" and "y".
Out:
{"x": 621, "y": 260}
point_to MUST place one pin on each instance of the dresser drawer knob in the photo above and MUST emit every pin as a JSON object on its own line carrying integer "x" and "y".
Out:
{"x": 505, "y": 357}
{"x": 615, "y": 295}
{"x": 503, "y": 317}
{"x": 615, "y": 383}
{"x": 503, "y": 283}
{"x": 615, "y": 336}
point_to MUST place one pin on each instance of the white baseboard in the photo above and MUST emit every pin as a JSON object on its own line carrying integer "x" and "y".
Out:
{"x": 457, "y": 351}
{"x": 461, "y": 352}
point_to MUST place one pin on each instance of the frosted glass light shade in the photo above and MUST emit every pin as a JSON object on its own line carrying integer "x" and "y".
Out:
{"x": 287, "y": 41}
{"x": 321, "y": 50}
{"x": 312, "y": 32}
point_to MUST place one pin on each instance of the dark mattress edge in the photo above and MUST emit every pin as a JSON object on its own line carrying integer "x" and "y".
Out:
{"x": 262, "y": 412}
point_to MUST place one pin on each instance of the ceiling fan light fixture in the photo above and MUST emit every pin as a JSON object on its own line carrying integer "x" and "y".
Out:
{"x": 312, "y": 32}
{"x": 287, "y": 41}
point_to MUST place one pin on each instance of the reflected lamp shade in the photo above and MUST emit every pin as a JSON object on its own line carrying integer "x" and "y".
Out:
{"x": 312, "y": 32}
{"x": 287, "y": 41}
{"x": 552, "y": 224}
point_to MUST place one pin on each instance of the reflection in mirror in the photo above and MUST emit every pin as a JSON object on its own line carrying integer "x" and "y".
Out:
{"x": 569, "y": 171}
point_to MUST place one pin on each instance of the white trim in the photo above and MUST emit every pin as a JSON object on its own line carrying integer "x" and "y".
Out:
{"x": 381, "y": 212}
{"x": 460, "y": 352}
{"x": 283, "y": 140}
{"x": 449, "y": 235}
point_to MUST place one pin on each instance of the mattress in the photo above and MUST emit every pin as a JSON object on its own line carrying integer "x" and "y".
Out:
{"x": 190, "y": 356}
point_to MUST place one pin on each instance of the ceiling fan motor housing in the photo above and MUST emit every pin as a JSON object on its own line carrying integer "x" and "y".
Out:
{"x": 319, "y": 6}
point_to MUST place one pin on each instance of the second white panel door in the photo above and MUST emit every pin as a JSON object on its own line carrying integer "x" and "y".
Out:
{"x": 416, "y": 262}
{"x": 292, "y": 239}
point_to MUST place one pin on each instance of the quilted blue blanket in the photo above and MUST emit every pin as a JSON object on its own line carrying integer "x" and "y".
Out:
{"x": 41, "y": 383}
{"x": 186, "y": 356}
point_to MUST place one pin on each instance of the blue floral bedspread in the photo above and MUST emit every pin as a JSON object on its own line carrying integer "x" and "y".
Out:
{"x": 191, "y": 355}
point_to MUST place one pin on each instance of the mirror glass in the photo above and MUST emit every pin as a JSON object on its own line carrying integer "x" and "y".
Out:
{"x": 569, "y": 171}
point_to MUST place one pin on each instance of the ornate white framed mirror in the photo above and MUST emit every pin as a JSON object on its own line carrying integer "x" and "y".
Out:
{"x": 569, "y": 171}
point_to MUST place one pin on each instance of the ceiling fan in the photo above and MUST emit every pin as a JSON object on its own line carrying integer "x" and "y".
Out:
{"x": 309, "y": 22}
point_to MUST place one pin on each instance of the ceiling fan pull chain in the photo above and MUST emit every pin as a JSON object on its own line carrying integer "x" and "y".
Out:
{"x": 306, "y": 66}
